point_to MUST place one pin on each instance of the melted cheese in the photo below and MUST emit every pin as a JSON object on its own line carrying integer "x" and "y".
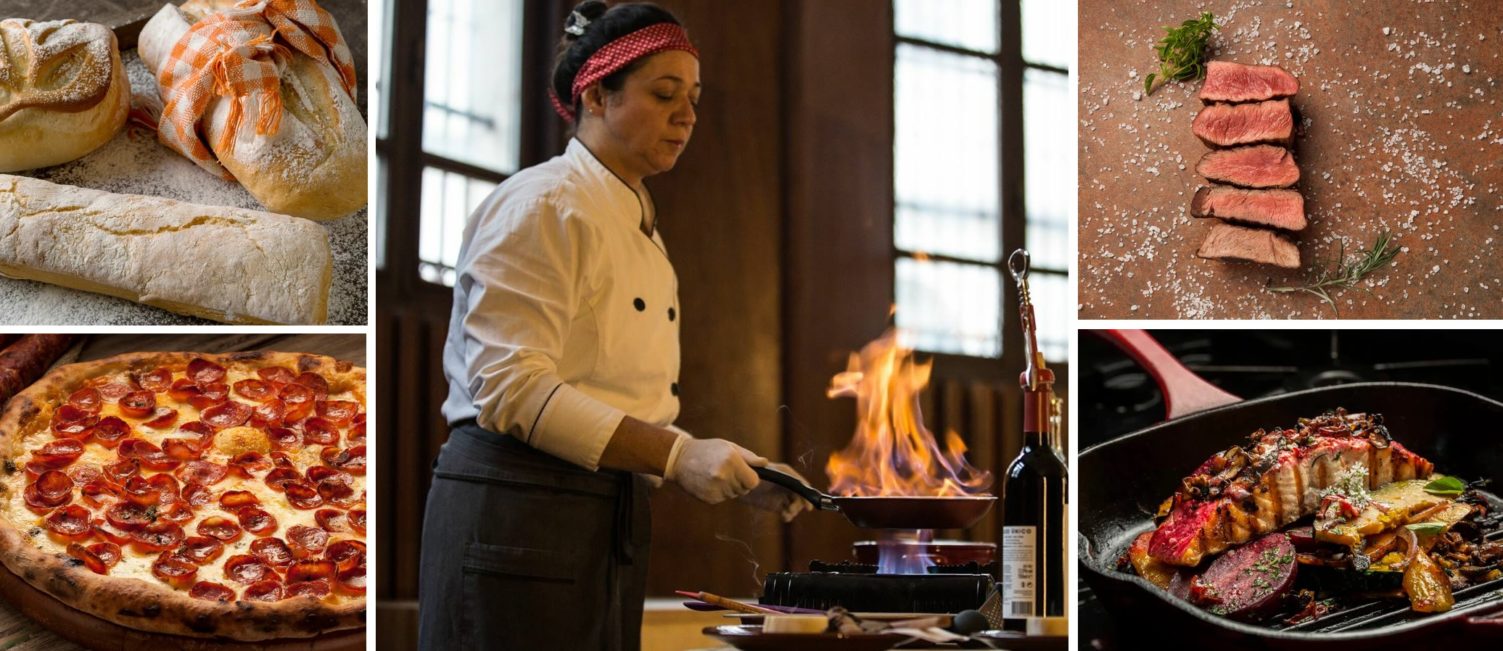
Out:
{"x": 227, "y": 444}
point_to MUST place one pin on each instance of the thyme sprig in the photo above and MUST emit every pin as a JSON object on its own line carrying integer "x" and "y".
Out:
{"x": 1182, "y": 52}
{"x": 1344, "y": 273}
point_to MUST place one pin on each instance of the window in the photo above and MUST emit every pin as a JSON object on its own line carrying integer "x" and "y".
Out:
{"x": 949, "y": 230}
{"x": 471, "y": 125}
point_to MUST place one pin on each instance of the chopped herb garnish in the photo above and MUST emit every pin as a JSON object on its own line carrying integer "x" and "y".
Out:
{"x": 1182, "y": 52}
{"x": 1445, "y": 486}
{"x": 10, "y": 467}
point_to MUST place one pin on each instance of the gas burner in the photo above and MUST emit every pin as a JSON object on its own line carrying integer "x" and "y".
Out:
{"x": 857, "y": 567}
{"x": 876, "y": 593}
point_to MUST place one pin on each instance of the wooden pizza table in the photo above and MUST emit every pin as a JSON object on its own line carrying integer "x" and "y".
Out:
{"x": 31, "y": 620}
{"x": 1402, "y": 105}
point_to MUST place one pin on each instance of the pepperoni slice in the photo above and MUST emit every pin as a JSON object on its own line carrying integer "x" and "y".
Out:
{"x": 284, "y": 438}
{"x": 246, "y": 569}
{"x": 341, "y": 412}
{"x": 317, "y": 431}
{"x": 298, "y": 400}
{"x": 163, "y": 418}
{"x": 247, "y": 464}
{"x": 351, "y": 461}
{"x": 196, "y": 495}
{"x": 58, "y": 454}
{"x": 87, "y": 399}
{"x": 202, "y": 549}
{"x": 123, "y": 469}
{"x": 310, "y": 571}
{"x": 351, "y": 581}
{"x": 179, "y": 513}
{"x": 272, "y": 551}
{"x": 299, "y": 495}
{"x": 89, "y": 558}
{"x": 128, "y": 516}
{"x": 76, "y": 427}
{"x": 357, "y": 520}
{"x": 226, "y": 415}
{"x": 219, "y": 527}
{"x": 256, "y": 520}
{"x": 71, "y": 521}
{"x": 209, "y": 395}
{"x": 84, "y": 474}
{"x": 174, "y": 570}
{"x": 50, "y": 490}
{"x": 280, "y": 477}
{"x": 183, "y": 390}
{"x": 203, "y": 371}
{"x": 318, "y": 589}
{"x": 232, "y": 500}
{"x": 356, "y": 435}
{"x": 109, "y": 532}
{"x": 335, "y": 489}
{"x": 204, "y": 433}
{"x": 307, "y": 542}
{"x": 157, "y": 536}
{"x": 157, "y": 380}
{"x": 276, "y": 375}
{"x": 166, "y": 487}
{"x": 147, "y": 453}
{"x": 106, "y": 551}
{"x": 140, "y": 491}
{"x": 319, "y": 473}
{"x": 345, "y": 554}
{"x": 182, "y": 448}
{"x": 113, "y": 391}
{"x": 71, "y": 413}
{"x": 269, "y": 413}
{"x": 210, "y": 591}
{"x": 314, "y": 381}
{"x": 202, "y": 472}
{"x": 254, "y": 389}
{"x": 137, "y": 404}
{"x": 331, "y": 520}
{"x": 263, "y": 591}
{"x": 109, "y": 431}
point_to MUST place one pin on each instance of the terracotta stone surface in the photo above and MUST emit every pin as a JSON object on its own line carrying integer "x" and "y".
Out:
{"x": 1401, "y": 109}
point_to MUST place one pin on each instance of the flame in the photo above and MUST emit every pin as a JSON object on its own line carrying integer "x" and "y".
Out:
{"x": 892, "y": 453}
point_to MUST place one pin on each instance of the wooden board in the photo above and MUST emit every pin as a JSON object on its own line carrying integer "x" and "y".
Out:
{"x": 34, "y": 621}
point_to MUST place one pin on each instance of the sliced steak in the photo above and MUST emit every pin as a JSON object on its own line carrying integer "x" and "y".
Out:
{"x": 1237, "y": 82}
{"x": 1226, "y": 125}
{"x": 1258, "y": 166}
{"x": 1226, "y": 241}
{"x": 1277, "y": 208}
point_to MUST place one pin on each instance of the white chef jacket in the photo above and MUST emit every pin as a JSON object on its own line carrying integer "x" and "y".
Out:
{"x": 565, "y": 313}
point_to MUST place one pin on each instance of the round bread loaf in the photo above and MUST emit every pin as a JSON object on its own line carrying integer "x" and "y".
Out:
{"x": 63, "y": 91}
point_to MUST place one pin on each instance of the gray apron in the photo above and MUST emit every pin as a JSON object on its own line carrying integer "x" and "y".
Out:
{"x": 522, "y": 550}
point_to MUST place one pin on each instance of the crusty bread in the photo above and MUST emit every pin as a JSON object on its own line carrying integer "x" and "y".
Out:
{"x": 63, "y": 92}
{"x": 225, "y": 264}
{"x": 314, "y": 166}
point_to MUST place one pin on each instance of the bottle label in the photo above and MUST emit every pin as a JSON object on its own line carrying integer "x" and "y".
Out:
{"x": 1019, "y": 571}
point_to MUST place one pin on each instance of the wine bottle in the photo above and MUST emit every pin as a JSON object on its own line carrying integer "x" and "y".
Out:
{"x": 1033, "y": 517}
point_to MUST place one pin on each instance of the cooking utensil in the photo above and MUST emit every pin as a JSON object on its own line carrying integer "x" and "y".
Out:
{"x": 1123, "y": 481}
{"x": 751, "y": 638}
{"x": 728, "y": 603}
{"x": 899, "y": 512}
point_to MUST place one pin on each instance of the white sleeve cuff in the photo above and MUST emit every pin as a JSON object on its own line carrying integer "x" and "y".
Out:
{"x": 575, "y": 427}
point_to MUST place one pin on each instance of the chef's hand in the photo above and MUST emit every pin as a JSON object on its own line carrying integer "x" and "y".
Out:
{"x": 772, "y": 497}
{"x": 714, "y": 470}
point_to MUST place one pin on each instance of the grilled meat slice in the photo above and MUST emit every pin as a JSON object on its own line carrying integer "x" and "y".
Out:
{"x": 1226, "y": 125}
{"x": 1229, "y": 242}
{"x": 1277, "y": 208}
{"x": 1278, "y": 478}
{"x": 1259, "y": 166}
{"x": 1227, "y": 81}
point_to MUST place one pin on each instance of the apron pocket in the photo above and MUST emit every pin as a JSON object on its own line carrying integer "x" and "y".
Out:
{"x": 518, "y": 597}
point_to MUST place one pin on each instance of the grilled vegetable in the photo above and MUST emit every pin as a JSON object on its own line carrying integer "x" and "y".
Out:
{"x": 1146, "y": 566}
{"x": 1389, "y": 507}
{"x": 1427, "y": 586}
{"x": 1248, "y": 581}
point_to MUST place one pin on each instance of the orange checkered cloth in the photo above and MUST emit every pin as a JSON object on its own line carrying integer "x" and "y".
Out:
{"x": 239, "y": 54}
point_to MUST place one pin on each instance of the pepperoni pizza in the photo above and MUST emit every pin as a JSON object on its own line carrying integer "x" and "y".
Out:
{"x": 198, "y": 495}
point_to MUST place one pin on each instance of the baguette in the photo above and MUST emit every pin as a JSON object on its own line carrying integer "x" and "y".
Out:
{"x": 314, "y": 165}
{"x": 63, "y": 91}
{"x": 225, "y": 264}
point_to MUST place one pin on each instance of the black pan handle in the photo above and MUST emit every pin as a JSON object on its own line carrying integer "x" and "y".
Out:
{"x": 819, "y": 500}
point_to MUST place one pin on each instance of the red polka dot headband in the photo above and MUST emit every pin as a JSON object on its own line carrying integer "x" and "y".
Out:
{"x": 619, "y": 53}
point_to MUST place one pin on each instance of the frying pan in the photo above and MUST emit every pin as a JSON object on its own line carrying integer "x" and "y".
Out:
{"x": 890, "y": 512}
{"x": 1123, "y": 481}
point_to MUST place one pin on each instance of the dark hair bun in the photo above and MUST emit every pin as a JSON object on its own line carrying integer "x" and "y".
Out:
{"x": 602, "y": 24}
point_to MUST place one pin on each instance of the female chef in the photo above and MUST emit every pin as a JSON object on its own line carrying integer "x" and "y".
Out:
{"x": 563, "y": 359}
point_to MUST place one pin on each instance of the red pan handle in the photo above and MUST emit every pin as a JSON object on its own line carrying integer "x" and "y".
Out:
{"x": 1184, "y": 392}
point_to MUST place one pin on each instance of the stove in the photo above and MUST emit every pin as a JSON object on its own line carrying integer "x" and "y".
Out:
{"x": 899, "y": 573}
{"x": 1117, "y": 397}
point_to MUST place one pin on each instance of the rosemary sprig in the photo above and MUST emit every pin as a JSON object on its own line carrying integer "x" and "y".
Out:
{"x": 1182, "y": 53}
{"x": 1345, "y": 273}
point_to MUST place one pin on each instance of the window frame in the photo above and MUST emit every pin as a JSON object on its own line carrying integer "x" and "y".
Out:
{"x": 1014, "y": 227}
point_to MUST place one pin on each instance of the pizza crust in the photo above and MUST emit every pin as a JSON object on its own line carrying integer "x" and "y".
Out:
{"x": 146, "y": 605}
